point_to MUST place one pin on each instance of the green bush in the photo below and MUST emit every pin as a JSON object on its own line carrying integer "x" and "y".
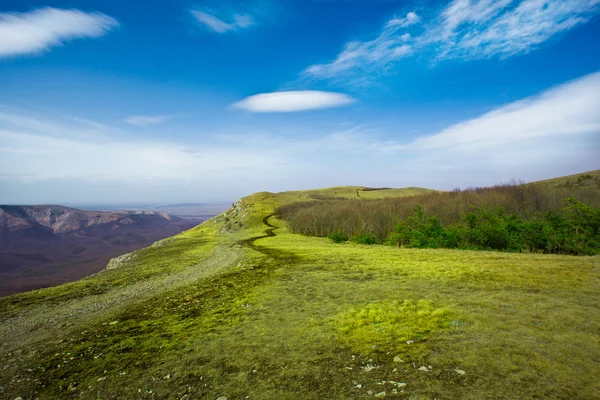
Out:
{"x": 338, "y": 237}
{"x": 573, "y": 230}
{"x": 365, "y": 238}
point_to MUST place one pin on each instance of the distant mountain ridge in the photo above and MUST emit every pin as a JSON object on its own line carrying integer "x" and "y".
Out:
{"x": 61, "y": 219}
{"x": 43, "y": 245}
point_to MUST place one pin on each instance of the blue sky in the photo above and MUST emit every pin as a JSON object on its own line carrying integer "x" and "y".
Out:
{"x": 118, "y": 102}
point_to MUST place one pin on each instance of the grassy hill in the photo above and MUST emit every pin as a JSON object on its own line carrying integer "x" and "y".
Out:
{"x": 239, "y": 307}
{"x": 589, "y": 179}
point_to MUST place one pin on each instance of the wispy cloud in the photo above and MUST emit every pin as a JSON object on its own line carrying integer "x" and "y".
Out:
{"x": 146, "y": 120}
{"x": 293, "y": 101}
{"x": 212, "y": 23}
{"x": 499, "y": 28}
{"x": 359, "y": 57}
{"x": 554, "y": 133}
{"x": 41, "y": 29}
{"x": 49, "y": 155}
{"x": 464, "y": 29}
{"x": 569, "y": 110}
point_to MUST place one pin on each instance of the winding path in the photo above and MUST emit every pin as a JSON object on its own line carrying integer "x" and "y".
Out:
{"x": 281, "y": 255}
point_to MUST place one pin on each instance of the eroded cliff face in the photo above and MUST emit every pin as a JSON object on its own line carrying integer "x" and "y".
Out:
{"x": 61, "y": 219}
{"x": 47, "y": 245}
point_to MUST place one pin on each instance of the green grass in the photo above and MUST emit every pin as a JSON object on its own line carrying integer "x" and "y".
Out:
{"x": 590, "y": 179}
{"x": 213, "y": 313}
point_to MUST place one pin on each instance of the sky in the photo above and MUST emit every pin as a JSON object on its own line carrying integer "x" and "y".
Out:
{"x": 207, "y": 101}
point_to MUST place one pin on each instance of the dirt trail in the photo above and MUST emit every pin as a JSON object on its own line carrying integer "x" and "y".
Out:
{"x": 281, "y": 256}
{"x": 46, "y": 321}
{"x": 268, "y": 233}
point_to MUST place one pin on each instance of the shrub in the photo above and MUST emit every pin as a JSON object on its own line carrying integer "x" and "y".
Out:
{"x": 365, "y": 238}
{"x": 338, "y": 237}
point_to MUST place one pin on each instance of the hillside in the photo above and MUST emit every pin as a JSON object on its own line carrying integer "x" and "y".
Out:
{"x": 47, "y": 245}
{"x": 238, "y": 307}
{"x": 590, "y": 179}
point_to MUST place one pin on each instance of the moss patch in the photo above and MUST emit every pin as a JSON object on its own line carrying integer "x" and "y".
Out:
{"x": 391, "y": 326}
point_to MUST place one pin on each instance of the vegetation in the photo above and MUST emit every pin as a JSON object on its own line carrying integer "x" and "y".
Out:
{"x": 509, "y": 217}
{"x": 241, "y": 307}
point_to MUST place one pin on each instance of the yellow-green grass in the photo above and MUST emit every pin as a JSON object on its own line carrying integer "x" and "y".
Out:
{"x": 212, "y": 313}
{"x": 353, "y": 192}
{"x": 590, "y": 179}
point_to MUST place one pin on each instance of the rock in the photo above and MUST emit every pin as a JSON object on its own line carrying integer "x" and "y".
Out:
{"x": 459, "y": 371}
{"x": 222, "y": 398}
{"x": 380, "y": 395}
{"x": 119, "y": 261}
{"x": 424, "y": 369}
{"x": 410, "y": 341}
{"x": 400, "y": 384}
{"x": 368, "y": 368}
{"x": 167, "y": 376}
{"x": 101, "y": 379}
{"x": 397, "y": 359}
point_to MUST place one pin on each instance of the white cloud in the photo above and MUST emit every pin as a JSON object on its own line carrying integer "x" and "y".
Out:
{"x": 460, "y": 12}
{"x": 377, "y": 54}
{"x": 464, "y": 29}
{"x": 41, "y": 29}
{"x": 570, "y": 109}
{"x": 487, "y": 29}
{"x": 551, "y": 134}
{"x": 410, "y": 19}
{"x": 42, "y": 156}
{"x": 146, "y": 120}
{"x": 564, "y": 112}
{"x": 293, "y": 101}
{"x": 217, "y": 25}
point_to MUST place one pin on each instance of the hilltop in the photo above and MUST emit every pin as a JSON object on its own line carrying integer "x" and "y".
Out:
{"x": 590, "y": 179}
{"x": 240, "y": 307}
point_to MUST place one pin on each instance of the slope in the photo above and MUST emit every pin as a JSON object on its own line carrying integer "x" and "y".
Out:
{"x": 239, "y": 307}
{"x": 590, "y": 179}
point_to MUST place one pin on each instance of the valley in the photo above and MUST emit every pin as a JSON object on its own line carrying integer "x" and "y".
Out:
{"x": 44, "y": 246}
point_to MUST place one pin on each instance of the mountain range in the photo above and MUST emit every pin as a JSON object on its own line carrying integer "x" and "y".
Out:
{"x": 44, "y": 245}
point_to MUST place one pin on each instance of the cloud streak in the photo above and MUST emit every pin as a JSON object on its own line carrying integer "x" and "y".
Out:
{"x": 464, "y": 29}
{"x": 568, "y": 110}
{"x": 362, "y": 57}
{"x": 147, "y": 120}
{"x": 487, "y": 29}
{"x": 214, "y": 24}
{"x": 293, "y": 101}
{"x": 44, "y": 28}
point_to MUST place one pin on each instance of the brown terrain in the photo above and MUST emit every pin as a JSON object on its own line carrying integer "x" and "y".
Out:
{"x": 47, "y": 245}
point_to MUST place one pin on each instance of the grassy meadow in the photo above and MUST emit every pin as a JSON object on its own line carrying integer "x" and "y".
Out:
{"x": 241, "y": 308}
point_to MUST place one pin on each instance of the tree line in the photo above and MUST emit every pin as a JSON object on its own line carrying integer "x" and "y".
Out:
{"x": 508, "y": 217}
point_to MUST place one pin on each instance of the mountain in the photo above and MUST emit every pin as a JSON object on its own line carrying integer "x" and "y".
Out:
{"x": 45, "y": 245}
